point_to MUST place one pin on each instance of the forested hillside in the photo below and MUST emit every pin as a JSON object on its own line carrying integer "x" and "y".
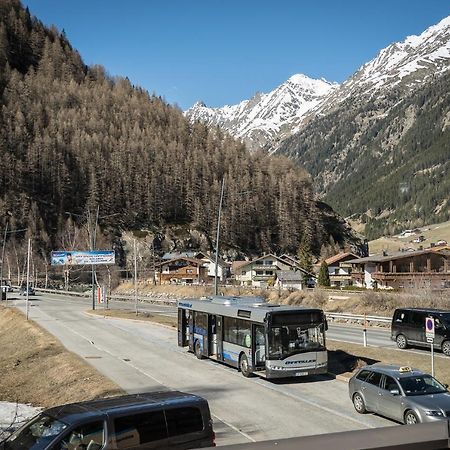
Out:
{"x": 385, "y": 159}
{"x": 72, "y": 138}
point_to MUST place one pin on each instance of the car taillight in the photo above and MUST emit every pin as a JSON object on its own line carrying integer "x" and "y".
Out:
{"x": 214, "y": 439}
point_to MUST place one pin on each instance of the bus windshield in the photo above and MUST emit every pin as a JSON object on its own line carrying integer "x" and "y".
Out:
{"x": 288, "y": 340}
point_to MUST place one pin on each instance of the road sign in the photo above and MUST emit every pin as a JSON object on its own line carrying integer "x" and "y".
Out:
{"x": 429, "y": 327}
{"x": 430, "y": 340}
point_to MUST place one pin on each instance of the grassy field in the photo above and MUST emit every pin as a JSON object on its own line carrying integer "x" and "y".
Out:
{"x": 37, "y": 369}
{"x": 432, "y": 233}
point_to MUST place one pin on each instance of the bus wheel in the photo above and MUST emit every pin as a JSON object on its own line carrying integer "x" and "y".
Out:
{"x": 244, "y": 367}
{"x": 198, "y": 350}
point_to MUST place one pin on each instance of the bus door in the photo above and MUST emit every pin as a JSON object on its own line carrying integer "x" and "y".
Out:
{"x": 259, "y": 345}
{"x": 190, "y": 322}
{"x": 183, "y": 328}
{"x": 212, "y": 334}
{"x": 219, "y": 335}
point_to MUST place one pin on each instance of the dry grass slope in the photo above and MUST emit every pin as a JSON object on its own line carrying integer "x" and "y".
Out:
{"x": 36, "y": 368}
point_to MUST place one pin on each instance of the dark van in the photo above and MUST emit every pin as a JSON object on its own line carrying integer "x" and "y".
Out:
{"x": 408, "y": 328}
{"x": 143, "y": 421}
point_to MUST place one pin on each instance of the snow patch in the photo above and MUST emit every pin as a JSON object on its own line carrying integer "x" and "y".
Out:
{"x": 13, "y": 416}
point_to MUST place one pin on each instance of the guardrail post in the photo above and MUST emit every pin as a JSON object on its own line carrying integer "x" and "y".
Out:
{"x": 365, "y": 331}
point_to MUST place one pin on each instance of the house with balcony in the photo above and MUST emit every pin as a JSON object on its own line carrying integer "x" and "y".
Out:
{"x": 340, "y": 270}
{"x": 182, "y": 270}
{"x": 261, "y": 272}
{"x": 223, "y": 268}
{"x": 429, "y": 268}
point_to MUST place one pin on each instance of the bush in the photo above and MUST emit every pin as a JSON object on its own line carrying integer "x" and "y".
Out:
{"x": 318, "y": 298}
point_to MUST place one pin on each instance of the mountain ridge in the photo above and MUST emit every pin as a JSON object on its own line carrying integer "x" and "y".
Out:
{"x": 393, "y": 110}
{"x": 262, "y": 120}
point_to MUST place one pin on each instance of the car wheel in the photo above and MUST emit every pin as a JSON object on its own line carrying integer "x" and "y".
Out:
{"x": 244, "y": 366}
{"x": 198, "y": 350}
{"x": 358, "y": 403}
{"x": 402, "y": 343}
{"x": 411, "y": 418}
{"x": 446, "y": 348}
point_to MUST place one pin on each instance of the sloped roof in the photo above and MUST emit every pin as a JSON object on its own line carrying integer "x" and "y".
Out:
{"x": 237, "y": 264}
{"x": 290, "y": 275}
{"x": 182, "y": 258}
{"x": 175, "y": 255}
{"x": 398, "y": 255}
{"x": 271, "y": 255}
{"x": 339, "y": 257}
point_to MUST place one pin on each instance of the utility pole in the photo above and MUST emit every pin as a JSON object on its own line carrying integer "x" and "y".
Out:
{"x": 6, "y": 232}
{"x": 28, "y": 276}
{"x": 154, "y": 266}
{"x": 216, "y": 281}
{"x": 135, "y": 278}
{"x": 3, "y": 258}
{"x": 93, "y": 232}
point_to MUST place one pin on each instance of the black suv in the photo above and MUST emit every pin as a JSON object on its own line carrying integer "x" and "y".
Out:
{"x": 408, "y": 328}
{"x": 169, "y": 419}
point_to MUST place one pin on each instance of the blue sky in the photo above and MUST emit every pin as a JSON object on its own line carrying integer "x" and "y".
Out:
{"x": 223, "y": 51}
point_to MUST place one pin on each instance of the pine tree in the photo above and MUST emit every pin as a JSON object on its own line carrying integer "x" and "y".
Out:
{"x": 304, "y": 254}
{"x": 324, "y": 277}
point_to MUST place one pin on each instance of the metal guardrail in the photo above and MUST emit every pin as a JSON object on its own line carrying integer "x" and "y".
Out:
{"x": 163, "y": 301}
{"x": 358, "y": 317}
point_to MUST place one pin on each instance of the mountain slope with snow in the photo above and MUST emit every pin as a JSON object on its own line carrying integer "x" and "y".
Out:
{"x": 402, "y": 66}
{"x": 378, "y": 147}
{"x": 265, "y": 119}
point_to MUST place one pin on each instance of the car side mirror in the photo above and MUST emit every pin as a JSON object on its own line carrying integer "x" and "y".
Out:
{"x": 446, "y": 386}
{"x": 326, "y": 325}
{"x": 394, "y": 392}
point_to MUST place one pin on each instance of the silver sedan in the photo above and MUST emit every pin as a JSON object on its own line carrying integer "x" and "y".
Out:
{"x": 399, "y": 393}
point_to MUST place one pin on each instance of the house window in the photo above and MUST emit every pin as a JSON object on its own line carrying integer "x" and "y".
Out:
{"x": 260, "y": 272}
{"x": 269, "y": 272}
{"x": 244, "y": 272}
{"x": 189, "y": 271}
{"x": 259, "y": 263}
{"x": 269, "y": 262}
{"x": 336, "y": 271}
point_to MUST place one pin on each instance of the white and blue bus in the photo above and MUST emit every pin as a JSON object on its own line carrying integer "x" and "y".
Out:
{"x": 273, "y": 341}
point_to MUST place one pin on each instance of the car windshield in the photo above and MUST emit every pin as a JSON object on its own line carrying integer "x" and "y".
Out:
{"x": 421, "y": 385}
{"x": 291, "y": 339}
{"x": 36, "y": 434}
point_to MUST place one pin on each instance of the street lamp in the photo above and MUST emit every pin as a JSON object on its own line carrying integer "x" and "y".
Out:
{"x": 216, "y": 285}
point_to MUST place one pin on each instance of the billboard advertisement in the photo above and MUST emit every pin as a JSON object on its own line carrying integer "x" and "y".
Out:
{"x": 77, "y": 258}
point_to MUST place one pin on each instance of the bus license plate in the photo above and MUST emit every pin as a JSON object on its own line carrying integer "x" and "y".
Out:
{"x": 300, "y": 374}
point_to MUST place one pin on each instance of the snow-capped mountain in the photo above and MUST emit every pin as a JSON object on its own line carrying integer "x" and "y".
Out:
{"x": 266, "y": 118}
{"x": 402, "y": 65}
{"x": 378, "y": 146}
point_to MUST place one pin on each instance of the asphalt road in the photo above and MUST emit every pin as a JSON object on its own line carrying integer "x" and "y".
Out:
{"x": 140, "y": 356}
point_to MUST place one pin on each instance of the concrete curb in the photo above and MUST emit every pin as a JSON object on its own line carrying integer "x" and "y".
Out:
{"x": 340, "y": 377}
